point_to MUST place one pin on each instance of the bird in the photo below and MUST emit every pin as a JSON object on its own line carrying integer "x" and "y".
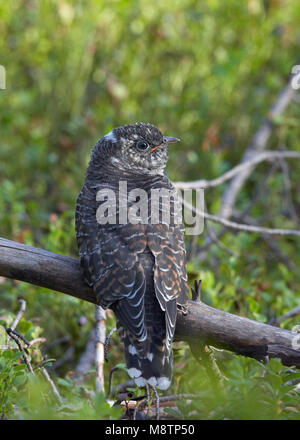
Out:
{"x": 136, "y": 268}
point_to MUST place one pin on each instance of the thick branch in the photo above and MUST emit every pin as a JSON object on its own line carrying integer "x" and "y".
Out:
{"x": 202, "y": 323}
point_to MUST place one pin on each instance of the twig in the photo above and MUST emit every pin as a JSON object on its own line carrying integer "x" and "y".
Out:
{"x": 175, "y": 397}
{"x": 256, "y": 146}
{"x": 100, "y": 318}
{"x": 87, "y": 358}
{"x": 156, "y": 402}
{"x": 242, "y": 167}
{"x": 10, "y": 332}
{"x": 215, "y": 240}
{"x": 291, "y": 314}
{"x": 20, "y": 313}
{"x": 214, "y": 366}
{"x": 110, "y": 379}
{"x": 287, "y": 189}
{"x": 241, "y": 226}
{"x": 52, "y": 385}
{"x": 19, "y": 316}
{"x": 37, "y": 341}
{"x": 209, "y": 241}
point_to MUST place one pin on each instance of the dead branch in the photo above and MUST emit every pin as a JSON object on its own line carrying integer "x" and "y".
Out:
{"x": 20, "y": 314}
{"x": 240, "y": 226}
{"x": 202, "y": 324}
{"x": 52, "y": 385}
{"x": 87, "y": 358}
{"x": 100, "y": 317}
{"x": 242, "y": 167}
{"x": 257, "y": 145}
{"x": 16, "y": 338}
{"x": 290, "y": 314}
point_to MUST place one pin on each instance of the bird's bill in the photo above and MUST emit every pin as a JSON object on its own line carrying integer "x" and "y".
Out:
{"x": 170, "y": 140}
{"x": 166, "y": 141}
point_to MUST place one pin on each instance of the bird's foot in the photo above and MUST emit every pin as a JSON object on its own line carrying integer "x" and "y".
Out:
{"x": 182, "y": 308}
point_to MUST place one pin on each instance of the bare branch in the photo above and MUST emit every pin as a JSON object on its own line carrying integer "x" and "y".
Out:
{"x": 287, "y": 190}
{"x": 20, "y": 314}
{"x": 12, "y": 335}
{"x": 37, "y": 341}
{"x": 242, "y": 167}
{"x": 100, "y": 318}
{"x": 257, "y": 145}
{"x": 290, "y": 314}
{"x": 202, "y": 324}
{"x": 52, "y": 385}
{"x": 241, "y": 226}
{"x": 87, "y": 358}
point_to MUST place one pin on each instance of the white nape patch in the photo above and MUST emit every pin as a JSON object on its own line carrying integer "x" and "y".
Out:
{"x": 152, "y": 381}
{"x": 131, "y": 349}
{"x": 140, "y": 382}
{"x": 163, "y": 383}
{"x": 110, "y": 136}
{"x": 150, "y": 356}
{"x": 134, "y": 372}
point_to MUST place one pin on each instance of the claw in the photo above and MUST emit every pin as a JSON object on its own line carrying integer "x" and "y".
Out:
{"x": 182, "y": 308}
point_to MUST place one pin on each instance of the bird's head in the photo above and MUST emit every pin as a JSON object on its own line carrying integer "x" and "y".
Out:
{"x": 137, "y": 148}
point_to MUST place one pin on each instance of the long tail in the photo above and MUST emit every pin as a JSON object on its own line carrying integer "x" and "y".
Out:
{"x": 150, "y": 364}
{"x": 149, "y": 358}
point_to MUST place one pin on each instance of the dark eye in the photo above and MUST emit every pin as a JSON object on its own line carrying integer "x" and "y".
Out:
{"x": 142, "y": 145}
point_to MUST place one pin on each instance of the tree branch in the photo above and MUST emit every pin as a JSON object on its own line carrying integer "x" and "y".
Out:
{"x": 202, "y": 324}
{"x": 242, "y": 167}
{"x": 240, "y": 226}
{"x": 257, "y": 145}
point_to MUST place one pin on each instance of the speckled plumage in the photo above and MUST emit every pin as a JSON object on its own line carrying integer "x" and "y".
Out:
{"x": 138, "y": 270}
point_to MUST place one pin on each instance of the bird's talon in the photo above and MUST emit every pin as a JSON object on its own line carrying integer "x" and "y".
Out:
{"x": 183, "y": 309}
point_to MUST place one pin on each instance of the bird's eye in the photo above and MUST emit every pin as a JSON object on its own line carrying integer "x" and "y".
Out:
{"x": 142, "y": 145}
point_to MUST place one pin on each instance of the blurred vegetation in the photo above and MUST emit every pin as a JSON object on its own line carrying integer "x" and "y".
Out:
{"x": 206, "y": 72}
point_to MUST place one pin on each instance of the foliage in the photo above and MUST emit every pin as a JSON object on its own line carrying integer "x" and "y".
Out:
{"x": 29, "y": 396}
{"x": 248, "y": 390}
{"x": 206, "y": 72}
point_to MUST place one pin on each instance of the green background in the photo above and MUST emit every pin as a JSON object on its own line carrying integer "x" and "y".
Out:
{"x": 204, "y": 71}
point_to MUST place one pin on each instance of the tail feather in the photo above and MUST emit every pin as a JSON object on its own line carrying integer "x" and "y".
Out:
{"x": 153, "y": 365}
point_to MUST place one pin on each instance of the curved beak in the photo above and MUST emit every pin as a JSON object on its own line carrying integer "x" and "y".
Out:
{"x": 167, "y": 140}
